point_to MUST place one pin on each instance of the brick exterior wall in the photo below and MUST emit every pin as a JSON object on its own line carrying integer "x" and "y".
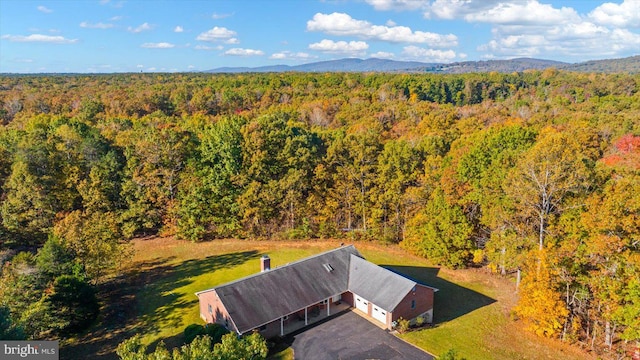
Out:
{"x": 347, "y": 298}
{"x": 218, "y": 312}
{"x": 423, "y": 297}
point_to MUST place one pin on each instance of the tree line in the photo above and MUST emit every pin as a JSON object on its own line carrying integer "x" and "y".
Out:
{"x": 534, "y": 172}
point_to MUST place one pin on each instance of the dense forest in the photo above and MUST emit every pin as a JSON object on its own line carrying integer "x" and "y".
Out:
{"x": 535, "y": 173}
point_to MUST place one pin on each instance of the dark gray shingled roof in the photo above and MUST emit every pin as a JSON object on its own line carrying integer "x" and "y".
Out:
{"x": 259, "y": 299}
{"x": 378, "y": 285}
{"x": 264, "y": 297}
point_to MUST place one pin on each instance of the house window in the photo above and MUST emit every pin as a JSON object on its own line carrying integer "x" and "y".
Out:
{"x": 413, "y": 304}
{"x": 210, "y": 309}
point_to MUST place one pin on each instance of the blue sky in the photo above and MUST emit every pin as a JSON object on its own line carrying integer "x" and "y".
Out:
{"x": 176, "y": 36}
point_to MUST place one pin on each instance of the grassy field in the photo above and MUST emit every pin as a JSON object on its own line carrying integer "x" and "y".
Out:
{"x": 154, "y": 296}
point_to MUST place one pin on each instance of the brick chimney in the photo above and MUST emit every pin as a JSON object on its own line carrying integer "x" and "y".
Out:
{"x": 265, "y": 263}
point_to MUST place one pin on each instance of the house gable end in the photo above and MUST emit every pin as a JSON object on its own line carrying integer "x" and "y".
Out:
{"x": 378, "y": 285}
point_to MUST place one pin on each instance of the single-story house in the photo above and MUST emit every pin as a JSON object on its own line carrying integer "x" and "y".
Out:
{"x": 273, "y": 299}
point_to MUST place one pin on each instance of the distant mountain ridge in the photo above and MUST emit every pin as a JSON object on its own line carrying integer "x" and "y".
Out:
{"x": 519, "y": 64}
{"x": 341, "y": 65}
{"x": 624, "y": 65}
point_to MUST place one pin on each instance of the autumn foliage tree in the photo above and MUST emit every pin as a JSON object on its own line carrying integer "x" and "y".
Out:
{"x": 441, "y": 232}
{"x": 531, "y": 171}
{"x": 540, "y": 304}
{"x": 545, "y": 180}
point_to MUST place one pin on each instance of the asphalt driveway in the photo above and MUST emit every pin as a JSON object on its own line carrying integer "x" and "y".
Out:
{"x": 350, "y": 337}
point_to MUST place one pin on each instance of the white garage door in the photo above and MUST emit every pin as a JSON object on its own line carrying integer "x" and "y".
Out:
{"x": 362, "y": 304}
{"x": 379, "y": 314}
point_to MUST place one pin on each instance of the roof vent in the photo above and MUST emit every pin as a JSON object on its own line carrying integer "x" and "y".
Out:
{"x": 328, "y": 267}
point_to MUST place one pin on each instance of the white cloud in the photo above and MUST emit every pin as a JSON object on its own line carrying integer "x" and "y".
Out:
{"x": 428, "y": 55}
{"x": 244, "y": 52}
{"x": 139, "y": 66}
{"x": 397, "y": 5}
{"x": 351, "y": 48}
{"x": 580, "y": 40}
{"x": 116, "y": 18}
{"x": 160, "y": 45}
{"x": 141, "y": 28}
{"x": 208, "y": 48}
{"x": 232, "y": 41}
{"x": 118, "y": 4}
{"x": 453, "y": 9}
{"x": 178, "y": 29}
{"x": 582, "y": 30}
{"x": 44, "y": 9}
{"x": 216, "y": 34}
{"x": 529, "y": 13}
{"x": 217, "y": 16}
{"x": 514, "y": 46}
{"x": 622, "y": 40}
{"x": 40, "y": 38}
{"x": 341, "y": 24}
{"x": 520, "y": 12}
{"x": 383, "y": 55}
{"x": 288, "y": 55}
{"x": 99, "y": 25}
{"x": 531, "y": 28}
{"x": 620, "y": 15}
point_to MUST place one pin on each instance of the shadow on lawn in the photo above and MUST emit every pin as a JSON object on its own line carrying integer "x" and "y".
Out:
{"x": 124, "y": 314}
{"x": 164, "y": 306}
{"x": 452, "y": 300}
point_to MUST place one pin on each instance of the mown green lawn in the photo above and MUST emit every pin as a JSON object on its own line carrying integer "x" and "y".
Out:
{"x": 471, "y": 311}
{"x": 168, "y": 304}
